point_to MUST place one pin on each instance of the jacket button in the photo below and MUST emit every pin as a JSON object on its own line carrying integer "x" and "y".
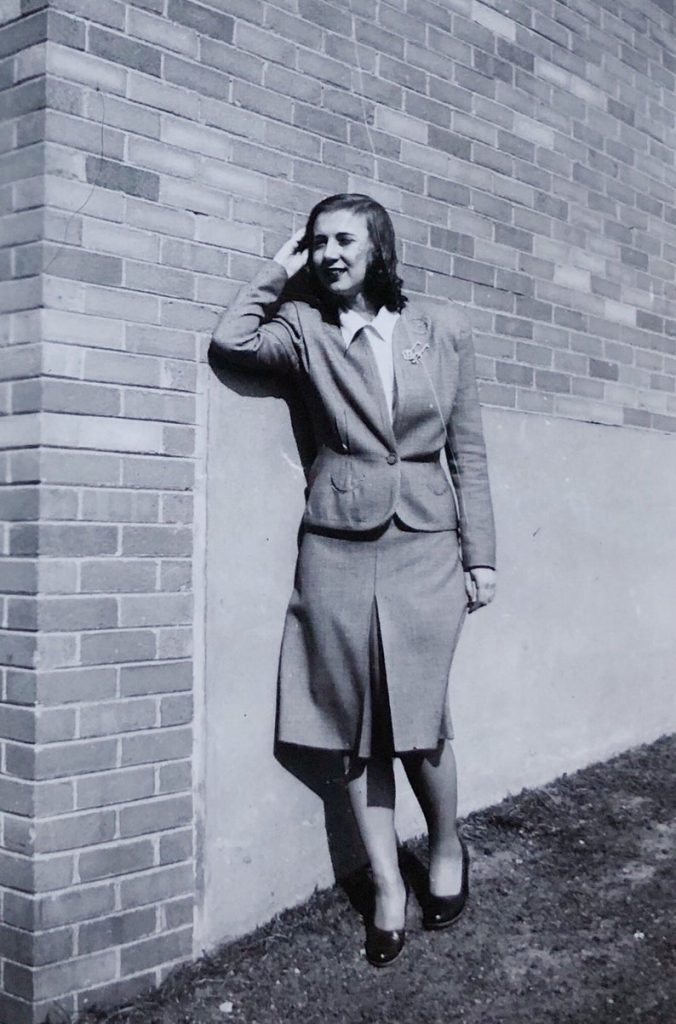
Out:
{"x": 392, "y": 459}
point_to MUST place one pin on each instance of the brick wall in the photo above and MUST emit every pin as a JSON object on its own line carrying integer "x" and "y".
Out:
{"x": 22, "y": 91}
{"x": 526, "y": 151}
{"x": 98, "y": 869}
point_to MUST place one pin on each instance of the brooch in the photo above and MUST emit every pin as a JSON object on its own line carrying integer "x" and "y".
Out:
{"x": 415, "y": 354}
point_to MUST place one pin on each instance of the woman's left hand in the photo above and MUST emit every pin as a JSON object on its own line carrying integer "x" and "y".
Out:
{"x": 480, "y": 587}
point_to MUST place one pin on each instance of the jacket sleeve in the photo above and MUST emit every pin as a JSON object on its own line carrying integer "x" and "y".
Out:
{"x": 466, "y": 453}
{"x": 252, "y": 333}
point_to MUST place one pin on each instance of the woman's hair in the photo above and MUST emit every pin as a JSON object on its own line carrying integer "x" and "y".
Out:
{"x": 382, "y": 285}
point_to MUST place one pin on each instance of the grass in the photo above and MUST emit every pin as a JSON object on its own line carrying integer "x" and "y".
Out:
{"x": 569, "y": 923}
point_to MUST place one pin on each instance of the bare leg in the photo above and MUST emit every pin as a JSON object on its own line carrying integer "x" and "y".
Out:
{"x": 370, "y": 785}
{"x": 433, "y": 778}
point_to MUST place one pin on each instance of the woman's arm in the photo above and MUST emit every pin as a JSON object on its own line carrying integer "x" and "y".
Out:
{"x": 466, "y": 453}
{"x": 252, "y": 332}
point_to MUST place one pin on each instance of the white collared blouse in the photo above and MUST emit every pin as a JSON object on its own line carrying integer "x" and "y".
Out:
{"x": 379, "y": 334}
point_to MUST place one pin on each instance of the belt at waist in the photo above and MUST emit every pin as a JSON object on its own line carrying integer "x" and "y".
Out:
{"x": 371, "y": 457}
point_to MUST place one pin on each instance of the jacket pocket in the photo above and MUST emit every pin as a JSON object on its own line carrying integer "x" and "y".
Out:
{"x": 343, "y": 478}
{"x": 438, "y": 483}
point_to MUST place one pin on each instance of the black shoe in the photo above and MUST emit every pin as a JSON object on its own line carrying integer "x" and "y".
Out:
{"x": 443, "y": 911}
{"x": 383, "y": 947}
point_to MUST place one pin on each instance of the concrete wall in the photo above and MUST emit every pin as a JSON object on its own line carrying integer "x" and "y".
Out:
{"x": 573, "y": 662}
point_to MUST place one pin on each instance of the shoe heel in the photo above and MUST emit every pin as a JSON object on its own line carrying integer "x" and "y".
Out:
{"x": 443, "y": 911}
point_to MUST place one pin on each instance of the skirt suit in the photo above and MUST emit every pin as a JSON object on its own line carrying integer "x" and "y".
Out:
{"x": 379, "y": 596}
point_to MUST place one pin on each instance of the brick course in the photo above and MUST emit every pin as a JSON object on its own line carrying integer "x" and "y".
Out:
{"x": 150, "y": 156}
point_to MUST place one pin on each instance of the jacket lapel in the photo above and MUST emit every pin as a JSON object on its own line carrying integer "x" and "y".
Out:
{"x": 411, "y": 334}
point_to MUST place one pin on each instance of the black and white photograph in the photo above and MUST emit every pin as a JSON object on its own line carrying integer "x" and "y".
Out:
{"x": 337, "y": 511}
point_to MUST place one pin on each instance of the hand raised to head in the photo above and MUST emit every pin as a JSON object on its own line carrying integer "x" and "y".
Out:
{"x": 291, "y": 256}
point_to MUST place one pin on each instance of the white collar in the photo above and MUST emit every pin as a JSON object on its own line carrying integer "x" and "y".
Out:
{"x": 351, "y": 322}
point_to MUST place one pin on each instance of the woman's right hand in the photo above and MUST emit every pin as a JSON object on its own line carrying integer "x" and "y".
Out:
{"x": 291, "y": 256}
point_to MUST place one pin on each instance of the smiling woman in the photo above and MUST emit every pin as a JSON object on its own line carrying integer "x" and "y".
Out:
{"x": 392, "y": 555}
{"x": 353, "y": 254}
{"x": 340, "y": 252}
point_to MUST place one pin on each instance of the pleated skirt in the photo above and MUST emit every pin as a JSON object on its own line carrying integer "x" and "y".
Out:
{"x": 369, "y": 638}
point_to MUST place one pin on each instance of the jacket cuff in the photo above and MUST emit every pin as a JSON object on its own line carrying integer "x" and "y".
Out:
{"x": 271, "y": 274}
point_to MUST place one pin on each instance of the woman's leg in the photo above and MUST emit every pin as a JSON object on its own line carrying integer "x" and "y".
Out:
{"x": 370, "y": 785}
{"x": 433, "y": 779}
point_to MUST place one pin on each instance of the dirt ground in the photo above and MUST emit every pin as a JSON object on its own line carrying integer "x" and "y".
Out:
{"x": 571, "y": 921}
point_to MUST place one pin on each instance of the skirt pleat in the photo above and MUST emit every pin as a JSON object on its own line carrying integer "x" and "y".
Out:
{"x": 369, "y": 638}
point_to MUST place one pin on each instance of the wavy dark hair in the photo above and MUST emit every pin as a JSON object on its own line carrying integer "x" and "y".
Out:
{"x": 382, "y": 285}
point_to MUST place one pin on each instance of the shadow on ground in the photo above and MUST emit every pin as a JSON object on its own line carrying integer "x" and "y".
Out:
{"x": 569, "y": 923}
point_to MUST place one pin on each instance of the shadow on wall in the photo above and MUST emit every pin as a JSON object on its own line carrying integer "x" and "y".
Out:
{"x": 320, "y": 772}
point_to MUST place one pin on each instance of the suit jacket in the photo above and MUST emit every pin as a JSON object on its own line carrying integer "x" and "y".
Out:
{"x": 368, "y": 466}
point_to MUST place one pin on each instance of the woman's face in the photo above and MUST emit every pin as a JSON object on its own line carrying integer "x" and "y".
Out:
{"x": 341, "y": 249}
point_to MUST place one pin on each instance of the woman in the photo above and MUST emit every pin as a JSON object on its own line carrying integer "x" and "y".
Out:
{"x": 391, "y": 554}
